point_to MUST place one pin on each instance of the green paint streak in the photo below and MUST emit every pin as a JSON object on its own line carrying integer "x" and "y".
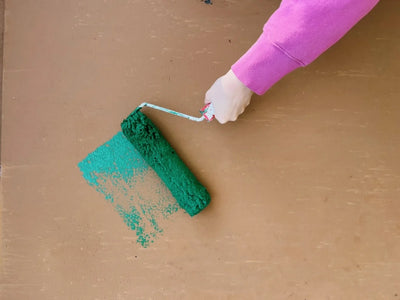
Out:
{"x": 117, "y": 171}
{"x": 157, "y": 152}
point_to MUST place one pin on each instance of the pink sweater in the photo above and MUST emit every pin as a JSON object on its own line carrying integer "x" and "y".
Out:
{"x": 295, "y": 35}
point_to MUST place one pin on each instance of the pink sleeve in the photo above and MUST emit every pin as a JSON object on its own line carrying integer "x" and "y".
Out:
{"x": 295, "y": 35}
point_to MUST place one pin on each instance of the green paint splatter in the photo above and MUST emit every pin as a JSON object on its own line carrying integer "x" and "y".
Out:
{"x": 117, "y": 170}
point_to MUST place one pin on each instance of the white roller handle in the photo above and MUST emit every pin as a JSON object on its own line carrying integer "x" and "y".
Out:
{"x": 207, "y": 112}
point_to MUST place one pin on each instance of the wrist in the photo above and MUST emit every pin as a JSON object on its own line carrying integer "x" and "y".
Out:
{"x": 231, "y": 82}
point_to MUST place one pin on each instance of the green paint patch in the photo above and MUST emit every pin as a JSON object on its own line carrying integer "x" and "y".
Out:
{"x": 116, "y": 170}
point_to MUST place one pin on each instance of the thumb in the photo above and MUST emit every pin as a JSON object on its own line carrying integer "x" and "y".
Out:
{"x": 208, "y": 97}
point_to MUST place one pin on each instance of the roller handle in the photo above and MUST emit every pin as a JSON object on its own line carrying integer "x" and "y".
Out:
{"x": 207, "y": 112}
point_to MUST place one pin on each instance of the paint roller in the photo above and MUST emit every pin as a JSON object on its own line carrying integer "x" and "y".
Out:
{"x": 141, "y": 132}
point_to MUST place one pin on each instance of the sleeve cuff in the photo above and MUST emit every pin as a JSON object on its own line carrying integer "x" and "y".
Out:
{"x": 263, "y": 65}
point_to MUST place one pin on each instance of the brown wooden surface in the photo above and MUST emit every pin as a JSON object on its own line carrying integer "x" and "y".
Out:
{"x": 305, "y": 185}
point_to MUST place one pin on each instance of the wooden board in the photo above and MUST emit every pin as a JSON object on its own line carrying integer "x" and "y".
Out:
{"x": 305, "y": 185}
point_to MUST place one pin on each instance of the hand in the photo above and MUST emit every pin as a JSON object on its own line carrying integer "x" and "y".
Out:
{"x": 229, "y": 97}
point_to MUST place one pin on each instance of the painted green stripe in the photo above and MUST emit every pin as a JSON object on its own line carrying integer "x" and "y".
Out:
{"x": 116, "y": 170}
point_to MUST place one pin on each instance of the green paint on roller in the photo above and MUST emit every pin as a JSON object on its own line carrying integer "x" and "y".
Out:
{"x": 158, "y": 153}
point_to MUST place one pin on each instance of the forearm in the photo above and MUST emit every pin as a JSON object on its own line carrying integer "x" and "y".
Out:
{"x": 295, "y": 35}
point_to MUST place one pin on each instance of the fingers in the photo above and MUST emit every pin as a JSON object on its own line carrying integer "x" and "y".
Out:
{"x": 221, "y": 119}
